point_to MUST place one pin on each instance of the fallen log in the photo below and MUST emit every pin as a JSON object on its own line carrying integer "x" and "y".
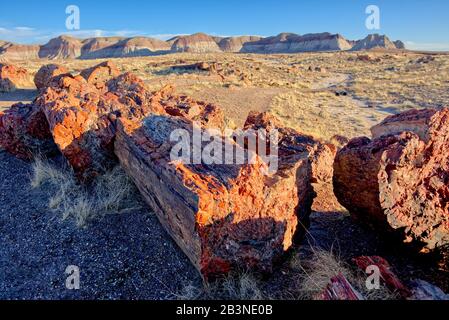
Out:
{"x": 400, "y": 179}
{"x": 24, "y": 132}
{"x": 223, "y": 216}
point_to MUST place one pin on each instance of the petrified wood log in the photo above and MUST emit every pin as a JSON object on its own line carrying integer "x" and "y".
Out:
{"x": 389, "y": 278}
{"x": 321, "y": 157}
{"x": 13, "y": 78}
{"x": 339, "y": 288}
{"x": 48, "y": 73}
{"x": 223, "y": 216}
{"x": 81, "y": 112}
{"x": 100, "y": 74}
{"x": 82, "y": 117}
{"x": 24, "y": 132}
{"x": 400, "y": 179}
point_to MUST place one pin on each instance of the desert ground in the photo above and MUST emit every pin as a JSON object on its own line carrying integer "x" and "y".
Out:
{"x": 129, "y": 255}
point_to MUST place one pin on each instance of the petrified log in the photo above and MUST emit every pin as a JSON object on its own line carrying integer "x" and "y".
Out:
{"x": 81, "y": 112}
{"x": 321, "y": 157}
{"x": 223, "y": 216}
{"x": 82, "y": 117}
{"x": 400, "y": 179}
{"x": 47, "y": 73}
{"x": 203, "y": 113}
{"x": 388, "y": 277}
{"x": 339, "y": 288}
{"x": 24, "y": 132}
{"x": 13, "y": 78}
{"x": 100, "y": 74}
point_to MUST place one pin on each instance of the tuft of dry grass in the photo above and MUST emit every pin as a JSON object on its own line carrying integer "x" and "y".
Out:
{"x": 315, "y": 273}
{"x": 242, "y": 286}
{"x": 306, "y": 279}
{"x": 110, "y": 193}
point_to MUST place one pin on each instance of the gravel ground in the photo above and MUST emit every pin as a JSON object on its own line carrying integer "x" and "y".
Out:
{"x": 130, "y": 256}
{"x": 347, "y": 239}
{"x": 127, "y": 256}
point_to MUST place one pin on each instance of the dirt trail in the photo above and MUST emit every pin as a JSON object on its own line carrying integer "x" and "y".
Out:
{"x": 357, "y": 107}
{"x": 328, "y": 108}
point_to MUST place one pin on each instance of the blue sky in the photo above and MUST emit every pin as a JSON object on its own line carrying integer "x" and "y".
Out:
{"x": 421, "y": 24}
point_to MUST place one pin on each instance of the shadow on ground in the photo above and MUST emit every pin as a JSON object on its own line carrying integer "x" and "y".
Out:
{"x": 127, "y": 256}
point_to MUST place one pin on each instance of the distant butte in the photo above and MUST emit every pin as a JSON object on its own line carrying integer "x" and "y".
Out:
{"x": 67, "y": 47}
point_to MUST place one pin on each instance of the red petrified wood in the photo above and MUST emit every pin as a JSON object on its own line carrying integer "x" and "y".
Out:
{"x": 13, "y": 78}
{"x": 400, "y": 179}
{"x": 48, "y": 73}
{"x": 339, "y": 288}
{"x": 82, "y": 117}
{"x": 24, "y": 132}
{"x": 223, "y": 216}
{"x": 386, "y": 274}
{"x": 321, "y": 157}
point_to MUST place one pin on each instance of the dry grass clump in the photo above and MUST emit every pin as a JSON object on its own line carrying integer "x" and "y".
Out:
{"x": 303, "y": 279}
{"x": 242, "y": 286}
{"x": 110, "y": 193}
{"x": 314, "y": 275}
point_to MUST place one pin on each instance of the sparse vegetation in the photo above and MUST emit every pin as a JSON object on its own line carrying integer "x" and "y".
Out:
{"x": 243, "y": 286}
{"x": 302, "y": 99}
{"x": 307, "y": 279}
{"x": 108, "y": 194}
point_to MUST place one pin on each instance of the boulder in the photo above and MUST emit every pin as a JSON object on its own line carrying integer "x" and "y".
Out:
{"x": 13, "y": 78}
{"x": 47, "y": 73}
{"x": 400, "y": 179}
{"x": 223, "y": 216}
{"x": 24, "y": 132}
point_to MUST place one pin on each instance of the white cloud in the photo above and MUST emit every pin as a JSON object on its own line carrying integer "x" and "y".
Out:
{"x": 431, "y": 46}
{"x": 165, "y": 36}
{"x": 24, "y": 29}
{"x": 25, "y": 34}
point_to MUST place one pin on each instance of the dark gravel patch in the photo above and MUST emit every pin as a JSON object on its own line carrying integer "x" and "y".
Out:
{"x": 130, "y": 256}
{"x": 120, "y": 256}
{"x": 340, "y": 234}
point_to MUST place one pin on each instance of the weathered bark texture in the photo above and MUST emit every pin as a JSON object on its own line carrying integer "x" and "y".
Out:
{"x": 24, "y": 132}
{"x": 223, "y": 216}
{"x": 47, "y": 74}
{"x": 339, "y": 288}
{"x": 400, "y": 179}
{"x": 388, "y": 277}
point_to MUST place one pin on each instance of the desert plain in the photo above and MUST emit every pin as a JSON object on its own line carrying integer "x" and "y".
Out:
{"x": 330, "y": 96}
